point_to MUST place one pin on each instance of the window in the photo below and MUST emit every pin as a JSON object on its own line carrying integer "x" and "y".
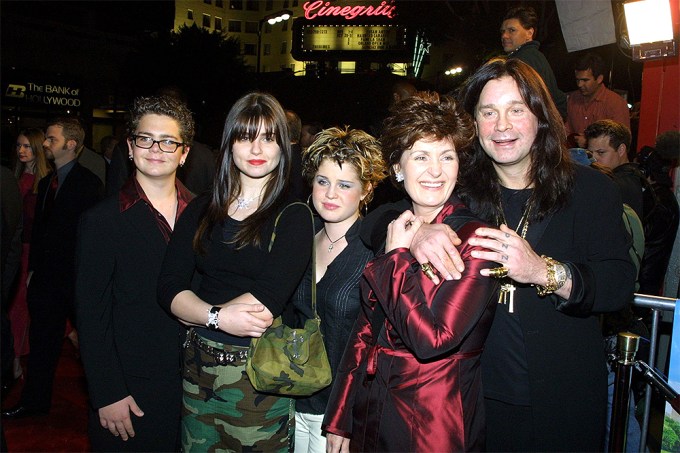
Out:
{"x": 236, "y": 4}
{"x": 206, "y": 20}
{"x": 219, "y": 3}
{"x": 190, "y": 14}
{"x": 284, "y": 26}
{"x": 207, "y": 2}
{"x": 234, "y": 26}
{"x": 249, "y": 49}
{"x": 218, "y": 23}
{"x": 252, "y": 5}
{"x": 267, "y": 49}
{"x": 269, "y": 5}
{"x": 252, "y": 27}
{"x": 284, "y": 47}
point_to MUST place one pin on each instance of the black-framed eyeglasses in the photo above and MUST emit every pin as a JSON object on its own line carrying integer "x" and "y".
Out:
{"x": 165, "y": 145}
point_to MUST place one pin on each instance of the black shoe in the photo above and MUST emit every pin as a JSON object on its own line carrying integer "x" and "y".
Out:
{"x": 20, "y": 411}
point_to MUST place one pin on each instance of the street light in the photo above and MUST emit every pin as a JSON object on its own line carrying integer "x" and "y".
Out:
{"x": 271, "y": 19}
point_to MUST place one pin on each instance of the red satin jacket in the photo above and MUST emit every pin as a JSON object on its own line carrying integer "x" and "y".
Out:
{"x": 419, "y": 387}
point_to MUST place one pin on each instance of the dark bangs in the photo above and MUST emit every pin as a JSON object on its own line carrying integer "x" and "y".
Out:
{"x": 248, "y": 123}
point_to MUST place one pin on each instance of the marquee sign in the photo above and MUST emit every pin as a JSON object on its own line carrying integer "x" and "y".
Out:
{"x": 377, "y": 42}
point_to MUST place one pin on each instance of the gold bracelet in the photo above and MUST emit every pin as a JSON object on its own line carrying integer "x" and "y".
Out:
{"x": 553, "y": 284}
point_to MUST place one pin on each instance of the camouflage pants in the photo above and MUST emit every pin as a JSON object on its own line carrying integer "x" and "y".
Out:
{"x": 222, "y": 412}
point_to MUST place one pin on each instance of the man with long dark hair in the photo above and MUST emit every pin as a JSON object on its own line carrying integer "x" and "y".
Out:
{"x": 563, "y": 258}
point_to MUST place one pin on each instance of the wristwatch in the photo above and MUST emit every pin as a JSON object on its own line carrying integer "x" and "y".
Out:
{"x": 557, "y": 277}
{"x": 213, "y": 318}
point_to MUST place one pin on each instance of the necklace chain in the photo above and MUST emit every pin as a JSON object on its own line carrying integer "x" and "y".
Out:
{"x": 523, "y": 221}
{"x": 507, "y": 290}
{"x": 332, "y": 242}
{"x": 243, "y": 203}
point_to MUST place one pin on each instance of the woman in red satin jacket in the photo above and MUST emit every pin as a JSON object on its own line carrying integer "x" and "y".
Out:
{"x": 410, "y": 378}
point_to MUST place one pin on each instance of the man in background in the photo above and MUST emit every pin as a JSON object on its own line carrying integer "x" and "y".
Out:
{"x": 609, "y": 143}
{"x": 62, "y": 197}
{"x": 592, "y": 101}
{"x": 298, "y": 186}
{"x": 518, "y": 33}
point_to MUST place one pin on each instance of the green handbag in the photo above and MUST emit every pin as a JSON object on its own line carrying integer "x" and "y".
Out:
{"x": 289, "y": 361}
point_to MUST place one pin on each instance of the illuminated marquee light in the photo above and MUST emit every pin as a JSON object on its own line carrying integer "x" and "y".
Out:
{"x": 320, "y": 8}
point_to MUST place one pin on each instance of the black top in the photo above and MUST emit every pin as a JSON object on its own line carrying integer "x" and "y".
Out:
{"x": 562, "y": 339}
{"x": 337, "y": 303}
{"x": 505, "y": 344}
{"x": 226, "y": 273}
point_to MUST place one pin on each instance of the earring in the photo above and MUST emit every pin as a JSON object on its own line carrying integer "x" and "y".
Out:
{"x": 309, "y": 198}
{"x": 399, "y": 176}
{"x": 130, "y": 157}
{"x": 181, "y": 164}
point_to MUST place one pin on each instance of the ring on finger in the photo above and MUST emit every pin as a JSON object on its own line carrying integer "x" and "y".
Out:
{"x": 427, "y": 270}
{"x": 498, "y": 272}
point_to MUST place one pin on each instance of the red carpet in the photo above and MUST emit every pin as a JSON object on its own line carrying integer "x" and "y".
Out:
{"x": 65, "y": 428}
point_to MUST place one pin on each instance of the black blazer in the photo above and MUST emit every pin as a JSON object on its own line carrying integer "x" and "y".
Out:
{"x": 53, "y": 242}
{"x": 124, "y": 333}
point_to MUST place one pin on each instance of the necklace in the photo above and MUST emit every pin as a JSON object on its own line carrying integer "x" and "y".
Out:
{"x": 332, "y": 242}
{"x": 507, "y": 292}
{"x": 242, "y": 203}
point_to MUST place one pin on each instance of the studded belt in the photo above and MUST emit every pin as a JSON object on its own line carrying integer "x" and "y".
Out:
{"x": 220, "y": 356}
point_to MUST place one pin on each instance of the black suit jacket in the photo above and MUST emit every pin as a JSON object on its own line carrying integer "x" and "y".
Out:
{"x": 53, "y": 241}
{"x": 126, "y": 338}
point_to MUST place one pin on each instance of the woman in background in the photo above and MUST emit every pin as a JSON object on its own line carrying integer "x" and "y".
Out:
{"x": 223, "y": 240}
{"x": 342, "y": 167}
{"x": 31, "y": 166}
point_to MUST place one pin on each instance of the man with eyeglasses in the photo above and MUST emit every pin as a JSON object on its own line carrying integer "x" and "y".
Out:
{"x": 129, "y": 345}
{"x": 196, "y": 174}
{"x": 62, "y": 197}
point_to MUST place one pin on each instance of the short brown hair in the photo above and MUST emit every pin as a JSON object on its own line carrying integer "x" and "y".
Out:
{"x": 167, "y": 106}
{"x": 424, "y": 115}
{"x": 617, "y": 133}
{"x": 72, "y": 129}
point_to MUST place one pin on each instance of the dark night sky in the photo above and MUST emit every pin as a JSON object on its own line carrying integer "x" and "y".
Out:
{"x": 124, "y": 17}
{"x": 469, "y": 28}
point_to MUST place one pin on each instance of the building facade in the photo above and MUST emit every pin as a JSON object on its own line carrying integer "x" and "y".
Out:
{"x": 247, "y": 21}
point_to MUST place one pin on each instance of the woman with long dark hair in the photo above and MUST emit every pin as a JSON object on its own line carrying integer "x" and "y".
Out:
{"x": 220, "y": 278}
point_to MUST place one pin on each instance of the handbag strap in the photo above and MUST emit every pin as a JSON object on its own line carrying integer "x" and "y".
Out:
{"x": 271, "y": 243}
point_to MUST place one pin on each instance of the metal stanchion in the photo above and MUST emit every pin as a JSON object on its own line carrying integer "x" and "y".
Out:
{"x": 656, "y": 304}
{"x": 627, "y": 345}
